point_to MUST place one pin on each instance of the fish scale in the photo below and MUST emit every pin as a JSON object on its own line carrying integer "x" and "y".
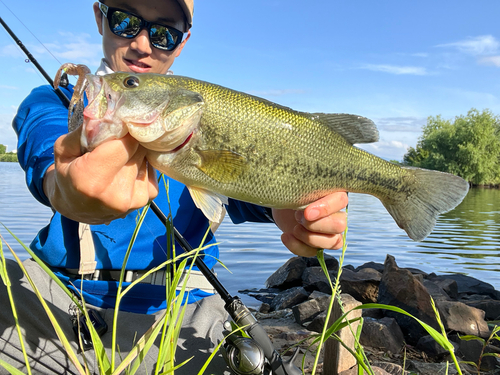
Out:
{"x": 223, "y": 143}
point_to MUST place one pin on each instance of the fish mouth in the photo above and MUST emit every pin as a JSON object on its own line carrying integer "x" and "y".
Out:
{"x": 99, "y": 124}
{"x": 186, "y": 141}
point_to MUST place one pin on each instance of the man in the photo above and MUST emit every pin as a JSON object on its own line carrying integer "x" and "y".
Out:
{"x": 104, "y": 188}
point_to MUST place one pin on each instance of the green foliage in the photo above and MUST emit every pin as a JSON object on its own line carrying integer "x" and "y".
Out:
{"x": 3, "y": 149}
{"x": 468, "y": 147}
{"x": 9, "y": 157}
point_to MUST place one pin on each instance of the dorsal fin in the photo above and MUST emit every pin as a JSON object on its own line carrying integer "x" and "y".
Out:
{"x": 354, "y": 128}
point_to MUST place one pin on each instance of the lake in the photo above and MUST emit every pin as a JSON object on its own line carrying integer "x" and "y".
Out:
{"x": 465, "y": 240}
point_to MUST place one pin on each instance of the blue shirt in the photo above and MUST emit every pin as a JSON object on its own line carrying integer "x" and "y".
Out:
{"x": 40, "y": 120}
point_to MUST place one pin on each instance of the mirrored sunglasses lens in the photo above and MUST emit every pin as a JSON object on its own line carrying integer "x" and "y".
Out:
{"x": 124, "y": 25}
{"x": 162, "y": 38}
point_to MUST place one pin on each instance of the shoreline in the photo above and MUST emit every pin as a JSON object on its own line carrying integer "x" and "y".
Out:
{"x": 291, "y": 312}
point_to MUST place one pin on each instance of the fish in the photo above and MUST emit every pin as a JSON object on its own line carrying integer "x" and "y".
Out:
{"x": 222, "y": 143}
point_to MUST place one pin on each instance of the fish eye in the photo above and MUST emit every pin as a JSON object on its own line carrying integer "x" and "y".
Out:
{"x": 131, "y": 82}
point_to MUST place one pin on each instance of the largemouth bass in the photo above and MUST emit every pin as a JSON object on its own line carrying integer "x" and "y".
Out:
{"x": 223, "y": 143}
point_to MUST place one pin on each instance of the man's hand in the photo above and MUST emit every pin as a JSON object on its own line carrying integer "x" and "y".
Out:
{"x": 99, "y": 186}
{"x": 319, "y": 226}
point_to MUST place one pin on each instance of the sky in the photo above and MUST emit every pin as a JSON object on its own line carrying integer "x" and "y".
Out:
{"x": 395, "y": 62}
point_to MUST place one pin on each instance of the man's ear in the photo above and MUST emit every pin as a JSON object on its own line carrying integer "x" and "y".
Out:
{"x": 98, "y": 17}
{"x": 183, "y": 43}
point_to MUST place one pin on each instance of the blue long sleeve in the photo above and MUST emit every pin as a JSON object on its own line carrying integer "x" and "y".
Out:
{"x": 40, "y": 120}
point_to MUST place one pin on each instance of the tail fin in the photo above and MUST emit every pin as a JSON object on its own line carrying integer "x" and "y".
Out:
{"x": 436, "y": 193}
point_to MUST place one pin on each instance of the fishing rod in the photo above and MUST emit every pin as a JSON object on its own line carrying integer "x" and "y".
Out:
{"x": 244, "y": 356}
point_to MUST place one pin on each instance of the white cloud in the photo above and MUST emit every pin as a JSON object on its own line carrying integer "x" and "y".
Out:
{"x": 71, "y": 47}
{"x": 401, "y": 124}
{"x": 9, "y": 87}
{"x": 387, "y": 149}
{"x": 395, "y": 69}
{"x": 490, "y": 60}
{"x": 480, "y": 45}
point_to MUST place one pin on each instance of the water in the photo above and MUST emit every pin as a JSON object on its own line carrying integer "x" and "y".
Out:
{"x": 465, "y": 240}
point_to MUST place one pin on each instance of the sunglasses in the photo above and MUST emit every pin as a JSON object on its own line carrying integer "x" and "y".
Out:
{"x": 128, "y": 25}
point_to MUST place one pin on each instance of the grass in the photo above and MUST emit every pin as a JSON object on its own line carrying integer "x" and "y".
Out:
{"x": 167, "y": 327}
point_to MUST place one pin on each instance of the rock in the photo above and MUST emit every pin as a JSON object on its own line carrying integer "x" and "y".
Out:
{"x": 288, "y": 275}
{"x": 428, "y": 345}
{"x": 459, "y": 317}
{"x": 317, "y": 294}
{"x": 436, "y": 292}
{"x": 332, "y": 264}
{"x": 470, "y": 285}
{"x": 376, "y": 266}
{"x": 349, "y": 267}
{"x": 373, "y": 313}
{"x": 317, "y": 323}
{"x": 390, "y": 368}
{"x": 313, "y": 278}
{"x": 362, "y": 285}
{"x": 423, "y": 368}
{"x": 450, "y": 286}
{"x": 400, "y": 288}
{"x": 490, "y": 307}
{"x": 309, "y": 309}
{"x": 289, "y": 298}
{"x": 262, "y": 295}
{"x": 417, "y": 272}
{"x": 265, "y": 308}
{"x": 383, "y": 334}
{"x": 471, "y": 351}
{"x": 376, "y": 371}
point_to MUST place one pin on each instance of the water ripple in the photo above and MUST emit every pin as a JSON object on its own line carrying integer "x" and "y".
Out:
{"x": 465, "y": 240}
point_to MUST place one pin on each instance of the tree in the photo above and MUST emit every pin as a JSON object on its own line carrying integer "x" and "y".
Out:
{"x": 3, "y": 149}
{"x": 468, "y": 147}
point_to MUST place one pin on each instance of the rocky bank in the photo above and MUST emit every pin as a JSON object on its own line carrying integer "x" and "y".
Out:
{"x": 297, "y": 295}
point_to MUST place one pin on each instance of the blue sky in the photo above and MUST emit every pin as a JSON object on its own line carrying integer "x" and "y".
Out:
{"x": 396, "y": 62}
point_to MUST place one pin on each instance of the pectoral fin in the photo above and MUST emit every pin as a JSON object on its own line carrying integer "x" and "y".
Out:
{"x": 210, "y": 203}
{"x": 222, "y": 165}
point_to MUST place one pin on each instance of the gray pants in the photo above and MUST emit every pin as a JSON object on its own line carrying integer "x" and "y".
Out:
{"x": 202, "y": 329}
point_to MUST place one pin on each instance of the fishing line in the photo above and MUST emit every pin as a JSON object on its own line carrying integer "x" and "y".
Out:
{"x": 26, "y": 27}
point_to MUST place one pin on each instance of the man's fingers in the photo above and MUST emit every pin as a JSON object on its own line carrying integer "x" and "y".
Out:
{"x": 297, "y": 247}
{"x": 321, "y": 240}
{"x": 68, "y": 146}
{"x": 326, "y": 206}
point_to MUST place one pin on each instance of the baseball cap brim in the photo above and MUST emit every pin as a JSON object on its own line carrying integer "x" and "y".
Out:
{"x": 187, "y": 6}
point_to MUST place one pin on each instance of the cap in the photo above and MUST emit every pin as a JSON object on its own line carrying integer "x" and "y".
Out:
{"x": 187, "y": 6}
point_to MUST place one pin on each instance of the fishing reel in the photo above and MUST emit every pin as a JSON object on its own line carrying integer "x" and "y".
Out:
{"x": 243, "y": 355}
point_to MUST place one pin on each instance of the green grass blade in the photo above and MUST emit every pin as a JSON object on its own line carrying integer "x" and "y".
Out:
{"x": 100, "y": 352}
{"x": 11, "y": 369}
{"x": 120, "y": 284}
{"x": 6, "y": 280}
{"x": 59, "y": 332}
{"x": 47, "y": 270}
{"x": 144, "y": 342}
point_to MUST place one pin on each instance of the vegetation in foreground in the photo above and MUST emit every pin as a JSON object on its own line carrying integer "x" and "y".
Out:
{"x": 468, "y": 146}
{"x": 7, "y": 156}
{"x": 169, "y": 332}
